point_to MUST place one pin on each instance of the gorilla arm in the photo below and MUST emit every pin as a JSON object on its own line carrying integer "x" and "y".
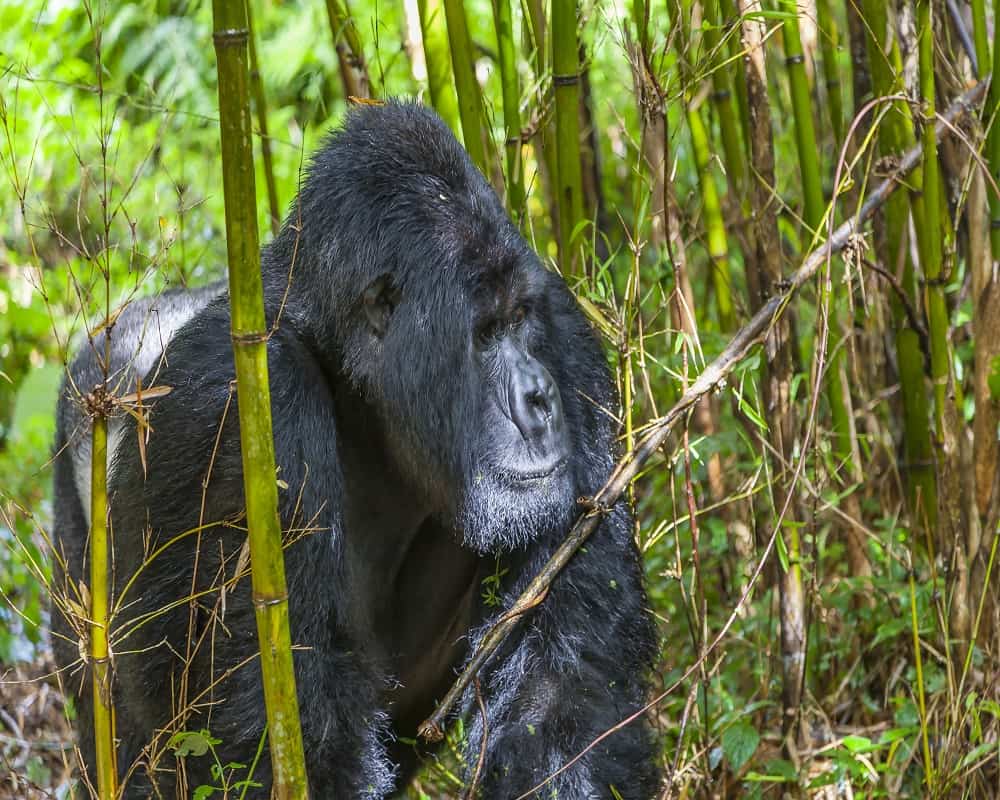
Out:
{"x": 195, "y": 434}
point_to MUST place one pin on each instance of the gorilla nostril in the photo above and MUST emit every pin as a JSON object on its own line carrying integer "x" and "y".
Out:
{"x": 538, "y": 399}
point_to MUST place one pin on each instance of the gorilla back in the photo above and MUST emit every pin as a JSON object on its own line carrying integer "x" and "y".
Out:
{"x": 439, "y": 403}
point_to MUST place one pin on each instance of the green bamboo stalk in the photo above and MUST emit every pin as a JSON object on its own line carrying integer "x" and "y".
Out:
{"x": 100, "y": 580}
{"x": 350, "y": 53}
{"x": 980, "y": 37}
{"x": 511, "y": 105}
{"x": 829, "y": 44}
{"x": 249, "y": 333}
{"x": 921, "y": 691}
{"x": 805, "y": 129}
{"x": 722, "y": 82}
{"x": 569, "y": 175}
{"x": 470, "y": 102}
{"x": 544, "y": 140}
{"x": 731, "y": 17}
{"x": 715, "y": 224}
{"x": 438, "y": 60}
{"x": 937, "y": 311}
{"x": 640, "y": 17}
{"x": 895, "y": 135}
{"x": 260, "y": 106}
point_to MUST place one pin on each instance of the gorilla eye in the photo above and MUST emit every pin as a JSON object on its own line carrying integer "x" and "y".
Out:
{"x": 488, "y": 334}
{"x": 519, "y": 315}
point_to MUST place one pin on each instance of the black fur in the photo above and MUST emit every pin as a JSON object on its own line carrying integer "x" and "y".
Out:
{"x": 429, "y": 379}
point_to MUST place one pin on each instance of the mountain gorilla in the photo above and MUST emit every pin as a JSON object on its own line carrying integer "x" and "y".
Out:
{"x": 439, "y": 405}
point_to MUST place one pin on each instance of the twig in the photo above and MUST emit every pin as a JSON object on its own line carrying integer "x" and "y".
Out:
{"x": 658, "y": 430}
{"x": 911, "y": 313}
{"x": 474, "y": 783}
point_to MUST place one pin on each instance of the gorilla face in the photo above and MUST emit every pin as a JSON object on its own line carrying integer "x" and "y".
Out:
{"x": 519, "y": 459}
{"x": 477, "y": 401}
{"x": 443, "y": 321}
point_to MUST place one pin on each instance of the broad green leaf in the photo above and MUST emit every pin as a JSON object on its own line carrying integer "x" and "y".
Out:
{"x": 739, "y": 742}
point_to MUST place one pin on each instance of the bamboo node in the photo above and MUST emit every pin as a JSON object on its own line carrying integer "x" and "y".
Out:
{"x": 98, "y": 402}
{"x": 231, "y": 37}
{"x": 249, "y": 338}
{"x": 568, "y": 79}
{"x": 264, "y": 602}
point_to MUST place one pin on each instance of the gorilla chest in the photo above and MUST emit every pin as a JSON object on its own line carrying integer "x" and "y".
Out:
{"x": 418, "y": 596}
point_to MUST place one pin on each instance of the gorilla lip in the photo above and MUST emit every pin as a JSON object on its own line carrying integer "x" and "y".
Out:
{"x": 524, "y": 477}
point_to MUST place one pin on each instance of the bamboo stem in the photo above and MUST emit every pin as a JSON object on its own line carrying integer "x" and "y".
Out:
{"x": 764, "y": 274}
{"x": 829, "y": 43}
{"x": 470, "y": 103}
{"x": 990, "y": 116}
{"x": 805, "y": 128}
{"x": 249, "y": 333}
{"x": 438, "y": 59}
{"x": 930, "y": 256}
{"x": 837, "y": 391}
{"x": 511, "y": 106}
{"x": 731, "y": 18}
{"x": 715, "y": 224}
{"x": 260, "y": 105}
{"x": 100, "y": 579}
{"x": 980, "y": 37}
{"x": 569, "y": 174}
{"x": 350, "y": 53}
{"x": 722, "y": 101}
{"x": 894, "y": 136}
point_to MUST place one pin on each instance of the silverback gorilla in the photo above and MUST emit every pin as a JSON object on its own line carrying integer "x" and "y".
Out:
{"x": 439, "y": 405}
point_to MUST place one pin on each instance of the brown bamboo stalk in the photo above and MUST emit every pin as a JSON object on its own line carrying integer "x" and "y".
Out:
{"x": 569, "y": 177}
{"x": 350, "y": 53}
{"x": 665, "y": 228}
{"x": 764, "y": 275}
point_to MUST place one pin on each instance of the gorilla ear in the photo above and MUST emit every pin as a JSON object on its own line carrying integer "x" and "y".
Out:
{"x": 379, "y": 301}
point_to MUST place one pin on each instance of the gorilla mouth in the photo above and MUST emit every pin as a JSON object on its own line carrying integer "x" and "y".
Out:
{"x": 536, "y": 475}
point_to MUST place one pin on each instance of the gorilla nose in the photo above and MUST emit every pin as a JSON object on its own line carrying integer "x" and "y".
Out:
{"x": 535, "y": 405}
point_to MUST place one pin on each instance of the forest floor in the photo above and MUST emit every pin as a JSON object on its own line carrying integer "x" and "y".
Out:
{"x": 36, "y": 739}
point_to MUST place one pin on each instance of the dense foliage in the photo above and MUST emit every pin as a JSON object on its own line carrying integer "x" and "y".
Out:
{"x": 868, "y": 488}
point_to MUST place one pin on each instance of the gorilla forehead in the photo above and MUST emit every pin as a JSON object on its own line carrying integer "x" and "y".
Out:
{"x": 430, "y": 213}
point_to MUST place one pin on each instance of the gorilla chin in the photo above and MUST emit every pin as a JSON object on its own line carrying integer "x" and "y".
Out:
{"x": 493, "y": 518}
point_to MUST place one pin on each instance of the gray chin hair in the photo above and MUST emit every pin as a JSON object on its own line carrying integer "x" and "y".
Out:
{"x": 499, "y": 517}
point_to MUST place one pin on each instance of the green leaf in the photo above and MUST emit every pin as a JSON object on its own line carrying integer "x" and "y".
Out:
{"x": 192, "y": 743}
{"x": 739, "y": 742}
{"x": 858, "y": 744}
